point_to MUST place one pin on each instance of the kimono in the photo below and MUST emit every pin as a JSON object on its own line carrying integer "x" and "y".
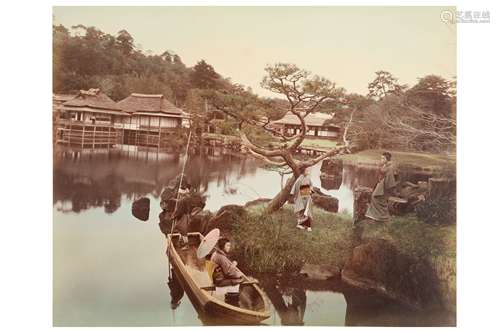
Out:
{"x": 225, "y": 272}
{"x": 302, "y": 199}
{"x": 378, "y": 209}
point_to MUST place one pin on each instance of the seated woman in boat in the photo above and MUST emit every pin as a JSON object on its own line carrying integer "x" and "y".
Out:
{"x": 225, "y": 273}
{"x": 301, "y": 195}
{"x": 378, "y": 210}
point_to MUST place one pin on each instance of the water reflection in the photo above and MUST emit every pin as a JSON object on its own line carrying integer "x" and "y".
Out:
{"x": 111, "y": 271}
{"x": 87, "y": 181}
{"x": 289, "y": 302}
{"x": 176, "y": 291}
{"x": 367, "y": 309}
{"x": 84, "y": 180}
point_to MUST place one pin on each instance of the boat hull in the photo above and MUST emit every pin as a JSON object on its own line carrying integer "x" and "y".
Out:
{"x": 213, "y": 311}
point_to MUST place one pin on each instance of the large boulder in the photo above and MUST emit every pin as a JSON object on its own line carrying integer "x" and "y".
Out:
{"x": 413, "y": 192}
{"x": 362, "y": 198}
{"x": 409, "y": 196}
{"x": 377, "y": 265}
{"x": 198, "y": 222}
{"x": 226, "y": 217}
{"x": 140, "y": 209}
{"x": 187, "y": 204}
{"x": 332, "y": 166}
{"x": 320, "y": 272}
{"x": 330, "y": 182}
{"x": 441, "y": 187}
{"x": 326, "y": 202}
{"x": 169, "y": 193}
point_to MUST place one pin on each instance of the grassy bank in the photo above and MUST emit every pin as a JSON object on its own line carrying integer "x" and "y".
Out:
{"x": 403, "y": 159}
{"x": 322, "y": 144}
{"x": 272, "y": 243}
{"x": 414, "y": 237}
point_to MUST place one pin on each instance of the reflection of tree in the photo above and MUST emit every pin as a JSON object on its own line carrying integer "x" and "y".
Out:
{"x": 101, "y": 180}
{"x": 86, "y": 193}
{"x": 176, "y": 291}
{"x": 289, "y": 302}
{"x": 202, "y": 169}
{"x": 368, "y": 309}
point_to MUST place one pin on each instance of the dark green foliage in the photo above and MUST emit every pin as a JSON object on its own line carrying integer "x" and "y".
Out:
{"x": 204, "y": 76}
{"x": 90, "y": 58}
{"x": 438, "y": 211}
{"x": 226, "y": 127}
{"x": 433, "y": 94}
{"x": 383, "y": 85}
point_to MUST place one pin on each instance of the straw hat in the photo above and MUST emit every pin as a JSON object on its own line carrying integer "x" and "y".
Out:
{"x": 208, "y": 243}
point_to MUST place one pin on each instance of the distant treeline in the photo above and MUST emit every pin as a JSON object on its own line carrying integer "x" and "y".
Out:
{"x": 392, "y": 115}
{"x": 86, "y": 57}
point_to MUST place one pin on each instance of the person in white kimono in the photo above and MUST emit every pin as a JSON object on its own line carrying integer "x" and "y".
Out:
{"x": 301, "y": 194}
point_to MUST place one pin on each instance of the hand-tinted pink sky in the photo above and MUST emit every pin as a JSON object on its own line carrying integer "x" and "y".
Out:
{"x": 344, "y": 44}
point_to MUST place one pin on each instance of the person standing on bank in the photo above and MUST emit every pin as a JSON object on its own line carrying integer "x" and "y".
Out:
{"x": 301, "y": 194}
{"x": 378, "y": 209}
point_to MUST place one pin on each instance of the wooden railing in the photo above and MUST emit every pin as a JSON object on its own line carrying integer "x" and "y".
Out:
{"x": 84, "y": 134}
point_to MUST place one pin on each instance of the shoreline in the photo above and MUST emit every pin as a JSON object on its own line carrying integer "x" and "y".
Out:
{"x": 377, "y": 258}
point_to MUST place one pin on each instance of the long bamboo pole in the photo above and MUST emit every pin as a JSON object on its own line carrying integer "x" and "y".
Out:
{"x": 177, "y": 199}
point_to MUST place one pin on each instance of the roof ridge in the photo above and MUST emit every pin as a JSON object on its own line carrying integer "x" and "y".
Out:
{"x": 147, "y": 95}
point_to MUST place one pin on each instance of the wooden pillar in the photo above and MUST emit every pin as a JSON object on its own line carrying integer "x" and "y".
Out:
{"x": 130, "y": 133}
{"x": 159, "y": 132}
{"x": 70, "y": 127}
{"x": 123, "y": 129}
{"x": 149, "y": 130}
{"x": 93, "y": 138}
{"x": 83, "y": 135}
{"x": 109, "y": 134}
{"x": 138, "y": 133}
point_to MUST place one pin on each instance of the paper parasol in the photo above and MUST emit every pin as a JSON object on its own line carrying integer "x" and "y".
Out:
{"x": 208, "y": 243}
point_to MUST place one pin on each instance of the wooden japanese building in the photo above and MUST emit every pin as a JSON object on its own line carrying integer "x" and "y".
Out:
{"x": 319, "y": 125}
{"x": 88, "y": 121}
{"x": 58, "y": 100}
{"x": 57, "y": 104}
{"x": 151, "y": 120}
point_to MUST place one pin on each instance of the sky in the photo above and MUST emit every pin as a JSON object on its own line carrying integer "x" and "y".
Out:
{"x": 344, "y": 44}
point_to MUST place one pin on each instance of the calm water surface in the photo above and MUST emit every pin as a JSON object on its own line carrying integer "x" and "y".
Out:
{"x": 110, "y": 269}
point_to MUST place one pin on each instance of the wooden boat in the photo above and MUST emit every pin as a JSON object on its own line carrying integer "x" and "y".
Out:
{"x": 191, "y": 273}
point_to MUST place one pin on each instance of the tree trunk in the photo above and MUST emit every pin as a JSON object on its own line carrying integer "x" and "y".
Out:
{"x": 280, "y": 199}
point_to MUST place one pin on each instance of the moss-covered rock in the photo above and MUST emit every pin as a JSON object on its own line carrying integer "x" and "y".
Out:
{"x": 377, "y": 264}
{"x": 385, "y": 254}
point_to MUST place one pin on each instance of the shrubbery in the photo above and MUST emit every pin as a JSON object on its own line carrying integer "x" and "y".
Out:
{"x": 438, "y": 211}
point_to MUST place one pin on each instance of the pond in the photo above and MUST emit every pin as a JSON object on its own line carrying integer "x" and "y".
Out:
{"x": 110, "y": 269}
